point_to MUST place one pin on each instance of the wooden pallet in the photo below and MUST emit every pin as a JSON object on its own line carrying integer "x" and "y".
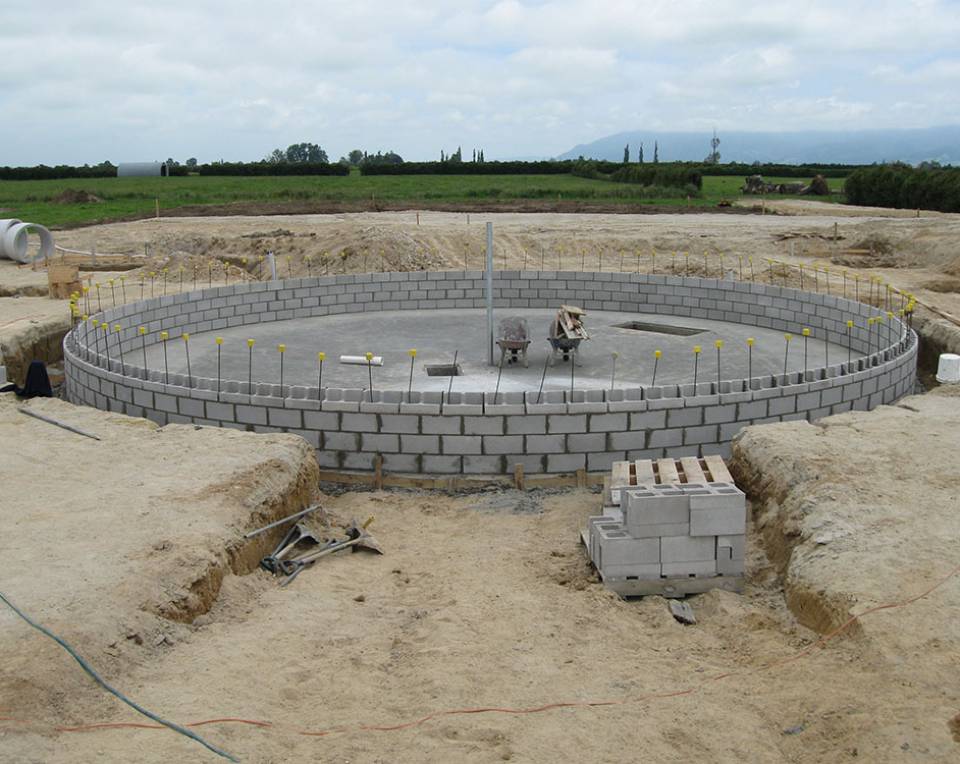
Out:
{"x": 688, "y": 469}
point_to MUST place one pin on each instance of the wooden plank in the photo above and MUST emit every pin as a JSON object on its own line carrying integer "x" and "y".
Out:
{"x": 620, "y": 475}
{"x": 668, "y": 471}
{"x": 643, "y": 469}
{"x": 718, "y": 470}
{"x": 691, "y": 470}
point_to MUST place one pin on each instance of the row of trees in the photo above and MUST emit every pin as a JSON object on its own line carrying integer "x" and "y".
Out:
{"x": 679, "y": 176}
{"x": 656, "y": 153}
{"x": 927, "y": 187}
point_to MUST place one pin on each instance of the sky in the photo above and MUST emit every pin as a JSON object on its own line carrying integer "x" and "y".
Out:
{"x": 120, "y": 80}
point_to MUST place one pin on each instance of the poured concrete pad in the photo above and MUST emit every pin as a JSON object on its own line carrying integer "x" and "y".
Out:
{"x": 438, "y": 335}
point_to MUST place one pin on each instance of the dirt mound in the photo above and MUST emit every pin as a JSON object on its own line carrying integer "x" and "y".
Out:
{"x": 76, "y": 196}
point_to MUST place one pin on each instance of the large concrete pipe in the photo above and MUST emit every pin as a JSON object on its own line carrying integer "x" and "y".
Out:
{"x": 14, "y": 242}
{"x": 4, "y": 225}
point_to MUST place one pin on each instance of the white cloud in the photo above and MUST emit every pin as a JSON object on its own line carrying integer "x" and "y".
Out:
{"x": 81, "y": 82}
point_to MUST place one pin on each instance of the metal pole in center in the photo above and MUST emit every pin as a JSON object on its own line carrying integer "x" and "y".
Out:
{"x": 490, "y": 294}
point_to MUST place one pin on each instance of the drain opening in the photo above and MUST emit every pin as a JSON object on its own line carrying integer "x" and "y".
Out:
{"x": 643, "y": 326}
{"x": 444, "y": 370}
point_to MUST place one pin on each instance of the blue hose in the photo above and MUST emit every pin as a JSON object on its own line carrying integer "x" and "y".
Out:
{"x": 99, "y": 680}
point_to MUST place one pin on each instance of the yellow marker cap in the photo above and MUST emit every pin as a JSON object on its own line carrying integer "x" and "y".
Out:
{"x": 164, "y": 335}
{"x": 657, "y": 353}
{"x": 86, "y": 289}
{"x": 84, "y": 317}
{"x": 185, "y": 336}
{"x": 889, "y": 314}
{"x": 788, "y": 336}
{"x": 615, "y": 354}
{"x": 105, "y": 326}
{"x": 94, "y": 322}
{"x": 697, "y": 348}
{"x": 281, "y": 348}
{"x": 116, "y": 327}
{"x": 110, "y": 282}
{"x": 412, "y": 352}
{"x": 321, "y": 355}
{"x": 368, "y": 355}
{"x": 219, "y": 340}
{"x": 142, "y": 330}
{"x": 718, "y": 344}
{"x": 750, "y": 341}
{"x": 806, "y": 332}
{"x": 849, "y": 324}
{"x": 250, "y": 343}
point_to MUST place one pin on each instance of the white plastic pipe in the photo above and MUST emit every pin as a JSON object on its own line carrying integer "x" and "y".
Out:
{"x": 14, "y": 242}
{"x": 948, "y": 369}
{"x": 4, "y": 225}
{"x": 361, "y": 360}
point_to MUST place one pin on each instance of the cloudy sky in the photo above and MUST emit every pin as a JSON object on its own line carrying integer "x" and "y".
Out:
{"x": 122, "y": 80}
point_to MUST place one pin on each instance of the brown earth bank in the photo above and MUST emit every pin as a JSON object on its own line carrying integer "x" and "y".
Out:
{"x": 131, "y": 549}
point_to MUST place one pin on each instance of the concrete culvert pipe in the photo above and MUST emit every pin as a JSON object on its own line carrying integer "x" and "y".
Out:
{"x": 4, "y": 225}
{"x": 14, "y": 242}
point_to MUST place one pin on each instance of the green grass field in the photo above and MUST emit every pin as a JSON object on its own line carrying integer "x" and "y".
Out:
{"x": 37, "y": 201}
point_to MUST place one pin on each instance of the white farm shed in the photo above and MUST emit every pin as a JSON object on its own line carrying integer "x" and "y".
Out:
{"x": 142, "y": 170}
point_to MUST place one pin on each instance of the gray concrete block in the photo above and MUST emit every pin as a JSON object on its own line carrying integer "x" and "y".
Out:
{"x": 689, "y": 568}
{"x": 687, "y": 548}
{"x": 164, "y": 402}
{"x": 607, "y": 422}
{"x": 483, "y": 465}
{"x": 736, "y": 544}
{"x": 628, "y": 441}
{"x": 504, "y": 444}
{"x": 650, "y": 571}
{"x": 545, "y": 444}
{"x": 602, "y": 461}
{"x": 380, "y": 442}
{"x": 698, "y": 435}
{"x": 445, "y": 465}
{"x": 648, "y": 420}
{"x": 441, "y": 425}
{"x": 420, "y": 444}
{"x": 652, "y": 507}
{"x": 251, "y": 415}
{"x": 571, "y": 423}
{"x": 357, "y": 461}
{"x": 484, "y": 425}
{"x": 753, "y": 410}
{"x": 407, "y": 463}
{"x": 461, "y": 444}
{"x": 720, "y": 414}
{"x": 326, "y": 420}
{"x": 285, "y": 418}
{"x": 718, "y": 514}
{"x": 566, "y": 462}
{"x": 526, "y": 425}
{"x": 665, "y": 438}
{"x": 358, "y": 422}
{"x": 780, "y": 406}
{"x": 397, "y": 423}
{"x": 685, "y": 417}
{"x": 587, "y": 442}
{"x": 341, "y": 441}
{"x": 619, "y": 548}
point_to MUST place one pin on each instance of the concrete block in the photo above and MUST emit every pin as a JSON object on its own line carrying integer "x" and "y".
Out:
{"x": 341, "y": 441}
{"x": 648, "y": 420}
{"x": 617, "y": 547}
{"x": 461, "y": 444}
{"x": 420, "y": 409}
{"x": 441, "y": 425}
{"x": 399, "y": 423}
{"x": 587, "y": 442}
{"x": 380, "y": 442}
{"x": 251, "y": 415}
{"x": 685, "y": 417}
{"x": 484, "y": 425}
{"x": 433, "y": 464}
{"x": 665, "y": 438}
{"x": 607, "y": 422}
{"x": 698, "y": 435}
{"x": 719, "y": 414}
{"x": 312, "y": 420}
{"x": 409, "y": 463}
{"x": 285, "y": 418}
{"x": 718, "y": 514}
{"x": 358, "y": 461}
{"x": 603, "y": 461}
{"x": 504, "y": 444}
{"x": 688, "y": 549}
{"x": 737, "y": 544}
{"x": 420, "y": 444}
{"x": 727, "y": 563}
{"x": 358, "y": 422}
{"x": 689, "y": 568}
{"x": 649, "y": 571}
{"x": 566, "y": 462}
{"x": 526, "y": 425}
{"x": 628, "y": 441}
{"x": 571, "y": 423}
{"x": 483, "y": 465}
{"x": 650, "y": 507}
{"x": 539, "y": 444}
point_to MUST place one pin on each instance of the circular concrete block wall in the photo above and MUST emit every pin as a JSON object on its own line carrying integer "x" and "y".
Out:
{"x": 474, "y": 432}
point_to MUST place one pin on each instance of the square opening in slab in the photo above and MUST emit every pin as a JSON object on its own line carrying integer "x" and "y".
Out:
{"x": 645, "y": 326}
{"x": 444, "y": 370}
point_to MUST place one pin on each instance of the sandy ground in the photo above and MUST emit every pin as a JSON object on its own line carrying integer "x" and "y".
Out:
{"x": 481, "y": 600}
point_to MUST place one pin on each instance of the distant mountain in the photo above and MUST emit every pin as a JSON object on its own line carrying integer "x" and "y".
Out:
{"x": 830, "y": 147}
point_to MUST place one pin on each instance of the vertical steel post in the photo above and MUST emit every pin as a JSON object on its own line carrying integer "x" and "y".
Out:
{"x": 490, "y": 294}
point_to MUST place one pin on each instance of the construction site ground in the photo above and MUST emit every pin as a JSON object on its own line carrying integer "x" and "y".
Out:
{"x": 131, "y": 549}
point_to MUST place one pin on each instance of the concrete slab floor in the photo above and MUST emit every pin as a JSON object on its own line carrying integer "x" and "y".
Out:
{"x": 439, "y": 334}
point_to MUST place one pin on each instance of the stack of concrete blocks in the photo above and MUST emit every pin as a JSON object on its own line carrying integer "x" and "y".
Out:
{"x": 671, "y": 539}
